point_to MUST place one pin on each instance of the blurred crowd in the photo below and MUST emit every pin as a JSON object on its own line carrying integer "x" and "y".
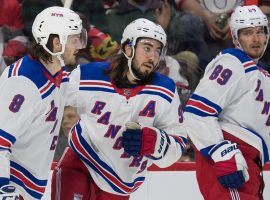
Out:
{"x": 197, "y": 30}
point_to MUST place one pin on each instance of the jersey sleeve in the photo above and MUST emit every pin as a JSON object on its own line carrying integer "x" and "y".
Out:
{"x": 19, "y": 102}
{"x": 74, "y": 97}
{"x": 171, "y": 122}
{"x": 223, "y": 83}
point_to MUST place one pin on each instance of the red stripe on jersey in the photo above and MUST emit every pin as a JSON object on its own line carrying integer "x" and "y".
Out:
{"x": 26, "y": 181}
{"x": 201, "y": 106}
{"x": 4, "y": 142}
{"x": 160, "y": 89}
{"x": 114, "y": 180}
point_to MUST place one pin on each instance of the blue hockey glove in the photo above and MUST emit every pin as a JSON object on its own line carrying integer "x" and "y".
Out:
{"x": 145, "y": 141}
{"x": 138, "y": 141}
{"x": 230, "y": 165}
{"x": 8, "y": 192}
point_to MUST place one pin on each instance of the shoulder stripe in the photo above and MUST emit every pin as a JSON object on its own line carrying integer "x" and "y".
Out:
{"x": 96, "y": 85}
{"x": 88, "y": 155}
{"x": 46, "y": 89}
{"x": 159, "y": 91}
{"x": 203, "y": 107}
{"x": 14, "y": 68}
{"x": 6, "y": 140}
{"x": 65, "y": 76}
{"x": 250, "y": 66}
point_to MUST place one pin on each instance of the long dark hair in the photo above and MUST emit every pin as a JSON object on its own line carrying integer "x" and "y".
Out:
{"x": 118, "y": 70}
{"x": 38, "y": 52}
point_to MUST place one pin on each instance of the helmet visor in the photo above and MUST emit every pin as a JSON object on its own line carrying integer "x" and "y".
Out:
{"x": 78, "y": 41}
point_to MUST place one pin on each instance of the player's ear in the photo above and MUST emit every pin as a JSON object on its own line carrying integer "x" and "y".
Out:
{"x": 128, "y": 50}
{"x": 56, "y": 44}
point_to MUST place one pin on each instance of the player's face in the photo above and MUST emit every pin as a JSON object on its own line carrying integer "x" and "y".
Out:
{"x": 147, "y": 55}
{"x": 73, "y": 45}
{"x": 253, "y": 41}
{"x": 70, "y": 117}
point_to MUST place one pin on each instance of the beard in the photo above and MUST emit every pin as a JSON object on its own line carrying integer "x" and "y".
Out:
{"x": 143, "y": 76}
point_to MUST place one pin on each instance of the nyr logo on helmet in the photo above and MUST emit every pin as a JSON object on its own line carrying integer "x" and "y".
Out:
{"x": 252, "y": 10}
{"x": 57, "y": 15}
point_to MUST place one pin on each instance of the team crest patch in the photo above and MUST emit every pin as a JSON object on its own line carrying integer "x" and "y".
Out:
{"x": 127, "y": 92}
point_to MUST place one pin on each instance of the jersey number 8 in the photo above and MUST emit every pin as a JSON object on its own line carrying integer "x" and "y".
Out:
{"x": 16, "y": 103}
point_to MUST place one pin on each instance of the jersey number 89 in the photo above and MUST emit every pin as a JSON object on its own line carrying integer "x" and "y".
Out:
{"x": 222, "y": 75}
{"x": 16, "y": 103}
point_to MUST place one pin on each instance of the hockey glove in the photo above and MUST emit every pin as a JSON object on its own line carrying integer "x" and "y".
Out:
{"x": 8, "y": 192}
{"x": 230, "y": 165}
{"x": 146, "y": 141}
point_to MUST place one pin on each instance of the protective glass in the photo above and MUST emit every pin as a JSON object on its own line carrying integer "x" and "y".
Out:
{"x": 150, "y": 48}
{"x": 78, "y": 41}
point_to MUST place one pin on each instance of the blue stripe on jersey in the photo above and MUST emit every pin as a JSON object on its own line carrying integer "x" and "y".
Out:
{"x": 7, "y": 136}
{"x": 202, "y": 106}
{"x": 265, "y": 148}
{"x": 4, "y": 181}
{"x": 99, "y": 162}
{"x": 242, "y": 56}
{"x": 251, "y": 69}
{"x": 6, "y": 140}
{"x": 97, "y": 89}
{"x": 47, "y": 93}
{"x": 158, "y": 94}
{"x": 95, "y": 71}
{"x": 10, "y": 70}
{"x": 34, "y": 71}
{"x": 32, "y": 193}
{"x": 65, "y": 80}
{"x": 239, "y": 54}
{"x": 163, "y": 81}
{"x": 26, "y": 175}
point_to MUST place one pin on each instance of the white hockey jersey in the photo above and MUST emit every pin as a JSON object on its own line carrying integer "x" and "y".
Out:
{"x": 31, "y": 111}
{"x": 104, "y": 109}
{"x": 234, "y": 96}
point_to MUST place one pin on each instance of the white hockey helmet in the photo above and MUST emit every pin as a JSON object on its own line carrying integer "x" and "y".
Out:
{"x": 142, "y": 28}
{"x": 57, "y": 20}
{"x": 245, "y": 17}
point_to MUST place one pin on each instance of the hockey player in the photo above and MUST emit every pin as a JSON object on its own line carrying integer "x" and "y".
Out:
{"x": 228, "y": 116}
{"x": 130, "y": 118}
{"x": 32, "y": 104}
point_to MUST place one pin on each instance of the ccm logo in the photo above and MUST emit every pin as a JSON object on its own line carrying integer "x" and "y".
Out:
{"x": 57, "y": 14}
{"x": 229, "y": 149}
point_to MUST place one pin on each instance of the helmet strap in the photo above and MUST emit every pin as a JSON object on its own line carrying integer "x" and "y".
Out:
{"x": 62, "y": 62}
{"x": 130, "y": 63}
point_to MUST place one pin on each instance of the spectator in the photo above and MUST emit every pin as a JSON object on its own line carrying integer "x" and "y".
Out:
{"x": 13, "y": 44}
{"x": 190, "y": 68}
{"x": 171, "y": 68}
{"x": 265, "y": 60}
{"x": 185, "y": 31}
{"x": 70, "y": 117}
{"x": 102, "y": 45}
{"x": 92, "y": 9}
